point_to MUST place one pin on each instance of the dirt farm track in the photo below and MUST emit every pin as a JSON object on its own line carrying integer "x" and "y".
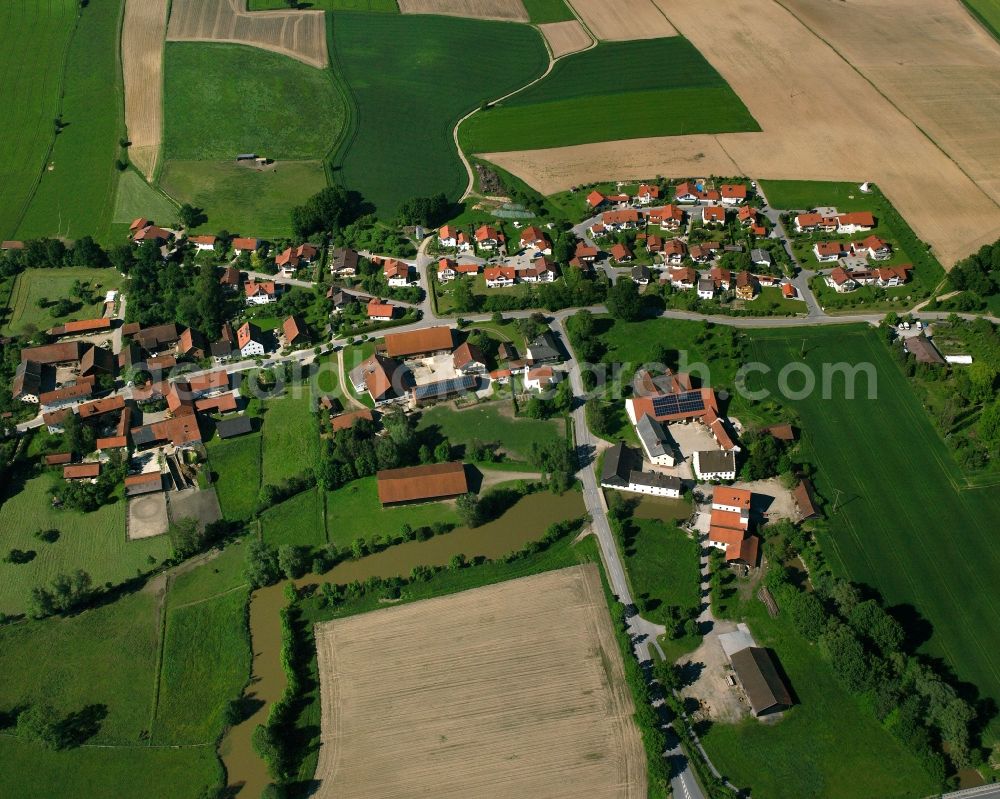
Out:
{"x": 509, "y": 691}
{"x": 298, "y": 34}
{"x": 896, "y": 104}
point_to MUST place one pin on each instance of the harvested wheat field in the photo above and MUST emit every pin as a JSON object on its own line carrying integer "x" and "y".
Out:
{"x": 565, "y": 37}
{"x": 297, "y": 34}
{"x": 933, "y": 61}
{"x": 790, "y": 80}
{"x": 143, "y": 30}
{"x": 511, "y": 10}
{"x": 623, "y": 20}
{"x": 513, "y": 690}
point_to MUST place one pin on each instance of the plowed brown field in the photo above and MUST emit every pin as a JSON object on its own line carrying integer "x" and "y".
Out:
{"x": 512, "y": 10}
{"x": 623, "y": 20}
{"x": 298, "y": 34}
{"x": 510, "y": 691}
{"x": 565, "y": 37}
{"x": 143, "y": 30}
{"x": 821, "y": 120}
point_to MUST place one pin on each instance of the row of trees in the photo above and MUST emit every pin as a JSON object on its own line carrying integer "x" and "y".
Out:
{"x": 48, "y": 253}
{"x": 871, "y": 656}
{"x": 573, "y": 289}
{"x": 979, "y": 273}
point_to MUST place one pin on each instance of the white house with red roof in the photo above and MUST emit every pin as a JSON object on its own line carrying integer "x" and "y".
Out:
{"x": 448, "y": 236}
{"x": 541, "y": 270}
{"x": 262, "y": 292}
{"x": 733, "y": 193}
{"x": 203, "y": 243}
{"x": 499, "y": 276}
{"x": 534, "y": 238}
{"x": 855, "y": 222}
{"x": 488, "y": 237}
{"x": 647, "y": 194}
{"x": 398, "y": 274}
{"x": 713, "y": 215}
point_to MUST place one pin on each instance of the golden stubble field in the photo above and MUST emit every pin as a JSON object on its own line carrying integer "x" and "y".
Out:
{"x": 820, "y": 120}
{"x": 509, "y": 691}
{"x": 623, "y": 20}
{"x": 933, "y": 61}
{"x": 565, "y": 37}
{"x": 143, "y": 30}
{"x": 297, "y": 34}
{"x": 511, "y": 10}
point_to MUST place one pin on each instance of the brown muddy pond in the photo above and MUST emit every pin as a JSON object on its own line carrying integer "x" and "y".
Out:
{"x": 525, "y": 522}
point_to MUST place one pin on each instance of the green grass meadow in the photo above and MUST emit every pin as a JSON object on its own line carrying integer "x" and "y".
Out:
{"x": 54, "y": 284}
{"x": 987, "y": 12}
{"x": 907, "y": 521}
{"x": 291, "y": 440}
{"x": 206, "y": 663}
{"x": 407, "y": 94}
{"x": 244, "y": 200}
{"x": 298, "y": 521}
{"x": 490, "y": 424}
{"x": 666, "y": 74}
{"x": 135, "y": 197}
{"x": 543, "y": 11}
{"x": 662, "y": 565}
{"x": 353, "y": 511}
{"x": 236, "y": 466}
{"x": 94, "y": 542}
{"x": 76, "y": 197}
{"x": 802, "y": 195}
{"x": 35, "y": 36}
{"x": 826, "y": 745}
{"x": 224, "y": 99}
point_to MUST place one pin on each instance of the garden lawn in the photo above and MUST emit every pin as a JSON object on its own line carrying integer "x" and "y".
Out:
{"x": 908, "y": 523}
{"x": 542, "y": 11}
{"x": 36, "y": 37}
{"x": 241, "y": 199}
{"x": 224, "y": 99}
{"x": 31, "y": 285}
{"x": 102, "y": 656}
{"x": 217, "y": 576}
{"x": 298, "y": 521}
{"x": 291, "y": 442}
{"x": 206, "y": 663}
{"x": 77, "y": 196}
{"x": 490, "y": 424}
{"x": 826, "y": 745}
{"x": 408, "y": 93}
{"x": 31, "y": 771}
{"x": 353, "y": 511}
{"x": 589, "y": 86}
{"x": 135, "y": 198}
{"x": 663, "y": 568}
{"x": 236, "y": 464}
{"x": 804, "y": 195}
{"x": 94, "y": 542}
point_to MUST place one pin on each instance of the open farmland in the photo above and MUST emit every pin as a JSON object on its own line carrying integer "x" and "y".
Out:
{"x": 757, "y": 46}
{"x": 933, "y": 61}
{"x": 491, "y": 424}
{"x": 252, "y": 202}
{"x": 135, "y": 197}
{"x": 623, "y": 20}
{"x": 32, "y": 285}
{"x": 76, "y": 193}
{"x": 987, "y": 12}
{"x": 143, "y": 31}
{"x": 542, "y": 12}
{"x": 236, "y": 466}
{"x": 297, "y": 521}
{"x": 565, "y": 37}
{"x": 509, "y": 10}
{"x": 589, "y": 86}
{"x": 94, "y": 542}
{"x": 35, "y": 36}
{"x": 298, "y": 34}
{"x": 398, "y": 86}
{"x": 893, "y": 540}
{"x": 529, "y": 700}
{"x": 224, "y": 99}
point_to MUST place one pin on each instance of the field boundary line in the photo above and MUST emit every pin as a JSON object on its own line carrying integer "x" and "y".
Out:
{"x": 211, "y": 598}
{"x": 161, "y": 641}
{"x": 352, "y": 110}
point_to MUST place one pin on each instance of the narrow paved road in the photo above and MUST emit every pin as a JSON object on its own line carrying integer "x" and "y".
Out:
{"x": 344, "y": 389}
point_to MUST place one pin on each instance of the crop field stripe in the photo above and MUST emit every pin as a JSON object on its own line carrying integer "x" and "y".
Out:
{"x": 884, "y": 542}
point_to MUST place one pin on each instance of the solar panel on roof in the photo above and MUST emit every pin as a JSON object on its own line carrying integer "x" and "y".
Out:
{"x": 670, "y": 404}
